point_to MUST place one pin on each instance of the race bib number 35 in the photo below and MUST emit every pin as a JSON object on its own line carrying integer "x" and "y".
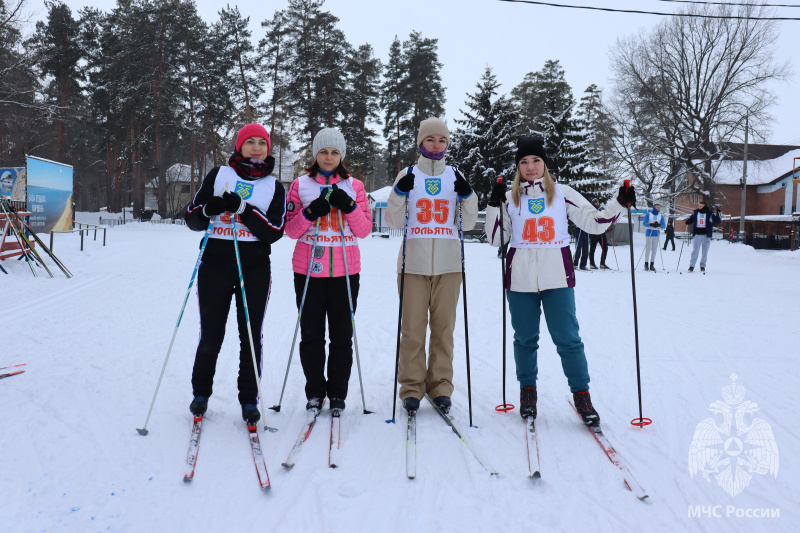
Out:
{"x": 429, "y": 210}
{"x": 539, "y": 230}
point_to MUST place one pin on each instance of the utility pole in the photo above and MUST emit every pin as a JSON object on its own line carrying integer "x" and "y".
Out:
{"x": 744, "y": 179}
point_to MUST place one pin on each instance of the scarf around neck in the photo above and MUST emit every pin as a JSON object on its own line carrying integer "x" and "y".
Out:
{"x": 251, "y": 168}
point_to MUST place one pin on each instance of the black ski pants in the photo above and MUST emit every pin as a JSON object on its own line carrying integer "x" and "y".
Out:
{"x": 668, "y": 239}
{"x": 326, "y": 298}
{"x": 217, "y": 281}
{"x": 594, "y": 240}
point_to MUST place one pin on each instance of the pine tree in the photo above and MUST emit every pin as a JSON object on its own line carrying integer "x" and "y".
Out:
{"x": 546, "y": 104}
{"x": 596, "y": 124}
{"x": 483, "y": 143}
{"x": 412, "y": 92}
{"x": 245, "y": 87}
{"x": 361, "y": 108}
{"x": 423, "y": 88}
{"x": 395, "y": 108}
{"x": 57, "y": 52}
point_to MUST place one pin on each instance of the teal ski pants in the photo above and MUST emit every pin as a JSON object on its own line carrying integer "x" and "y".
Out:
{"x": 559, "y": 312}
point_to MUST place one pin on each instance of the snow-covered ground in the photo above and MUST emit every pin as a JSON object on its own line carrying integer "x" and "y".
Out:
{"x": 94, "y": 345}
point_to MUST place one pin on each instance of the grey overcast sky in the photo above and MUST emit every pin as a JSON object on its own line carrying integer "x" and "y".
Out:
{"x": 513, "y": 39}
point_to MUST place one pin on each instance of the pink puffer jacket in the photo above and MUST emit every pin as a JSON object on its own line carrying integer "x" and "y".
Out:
{"x": 359, "y": 221}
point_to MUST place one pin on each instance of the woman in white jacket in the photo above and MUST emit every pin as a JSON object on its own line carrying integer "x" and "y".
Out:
{"x": 539, "y": 270}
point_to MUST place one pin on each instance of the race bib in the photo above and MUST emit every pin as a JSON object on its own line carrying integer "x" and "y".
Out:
{"x": 431, "y": 206}
{"x": 534, "y": 224}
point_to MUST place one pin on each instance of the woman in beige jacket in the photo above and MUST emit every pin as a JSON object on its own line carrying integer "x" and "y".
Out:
{"x": 435, "y": 193}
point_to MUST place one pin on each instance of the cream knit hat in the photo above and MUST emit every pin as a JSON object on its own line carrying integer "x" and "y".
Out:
{"x": 432, "y": 126}
{"x": 329, "y": 138}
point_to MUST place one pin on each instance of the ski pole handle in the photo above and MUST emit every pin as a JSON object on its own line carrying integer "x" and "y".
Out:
{"x": 627, "y": 186}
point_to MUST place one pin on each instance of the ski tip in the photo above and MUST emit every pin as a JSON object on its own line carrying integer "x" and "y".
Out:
{"x": 276, "y": 408}
{"x": 142, "y": 431}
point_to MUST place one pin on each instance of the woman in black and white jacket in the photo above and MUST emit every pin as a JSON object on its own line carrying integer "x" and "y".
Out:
{"x": 245, "y": 191}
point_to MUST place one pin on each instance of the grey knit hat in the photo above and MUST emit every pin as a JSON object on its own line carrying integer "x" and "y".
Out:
{"x": 329, "y": 138}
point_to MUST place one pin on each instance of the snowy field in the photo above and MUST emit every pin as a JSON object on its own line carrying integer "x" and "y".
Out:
{"x": 72, "y": 460}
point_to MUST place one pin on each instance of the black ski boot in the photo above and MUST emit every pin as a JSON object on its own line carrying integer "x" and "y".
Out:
{"x": 411, "y": 404}
{"x": 443, "y": 403}
{"x": 652, "y": 267}
{"x": 583, "y": 403}
{"x": 250, "y": 413}
{"x": 337, "y": 403}
{"x": 314, "y": 403}
{"x": 527, "y": 402}
{"x": 199, "y": 405}
{"x": 646, "y": 265}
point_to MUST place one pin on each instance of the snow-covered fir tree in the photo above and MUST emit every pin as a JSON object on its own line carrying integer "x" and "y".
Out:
{"x": 484, "y": 141}
{"x": 546, "y": 106}
{"x": 596, "y": 125}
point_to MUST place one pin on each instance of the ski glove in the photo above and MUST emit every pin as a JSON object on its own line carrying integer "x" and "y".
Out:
{"x": 628, "y": 197}
{"x": 214, "y": 206}
{"x": 405, "y": 184}
{"x": 655, "y": 224}
{"x": 498, "y": 195}
{"x": 341, "y": 200}
{"x": 318, "y": 208}
{"x": 233, "y": 203}
{"x": 461, "y": 186}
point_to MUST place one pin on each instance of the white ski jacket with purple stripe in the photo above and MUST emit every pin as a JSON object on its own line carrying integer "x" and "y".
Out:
{"x": 540, "y": 269}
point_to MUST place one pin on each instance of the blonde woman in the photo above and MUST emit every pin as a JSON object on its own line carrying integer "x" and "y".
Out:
{"x": 539, "y": 270}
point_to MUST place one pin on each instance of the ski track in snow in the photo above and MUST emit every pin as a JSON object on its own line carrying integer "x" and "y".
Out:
{"x": 95, "y": 344}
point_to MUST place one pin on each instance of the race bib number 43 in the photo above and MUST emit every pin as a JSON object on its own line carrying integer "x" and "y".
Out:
{"x": 539, "y": 230}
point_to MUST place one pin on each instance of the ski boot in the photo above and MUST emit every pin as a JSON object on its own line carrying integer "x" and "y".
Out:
{"x": 314, "y": 403}
{"x": 199, "y": 405}
{"x": 527, "y": 402}
{"x": 250, "y": 413}
{"x": 337, "y": 403}
{"x": 583, "y": 403}
{"x": 443, "y": 403}
{"x": 411, "y": 404}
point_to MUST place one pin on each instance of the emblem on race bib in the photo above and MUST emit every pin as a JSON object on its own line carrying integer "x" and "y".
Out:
{"x": 433, "y": 186}
{"x": 536, "y": 205}
{"x": 244, "y": 190}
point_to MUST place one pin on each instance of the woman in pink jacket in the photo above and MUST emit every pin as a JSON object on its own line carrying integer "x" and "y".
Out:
{"x": 317, "y": 202}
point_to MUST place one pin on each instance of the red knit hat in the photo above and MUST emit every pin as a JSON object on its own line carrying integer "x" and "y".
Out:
{"x": 252, "y": 130}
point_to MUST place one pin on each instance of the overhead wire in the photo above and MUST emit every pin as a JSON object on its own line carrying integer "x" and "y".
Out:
{"x": 728, "y": 3}
{"x": 639, "y": 12}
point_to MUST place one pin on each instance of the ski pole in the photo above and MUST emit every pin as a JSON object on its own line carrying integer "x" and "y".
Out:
{"x": 247, "y": 321}
{"x": 636, "y": 421}
{"x": 505, "y": 405}
{"x": 277, "y": 408}
{"x": 352, "y": 313}
{"x": 143, "y": 429}
{"x": 464, "y": 292}
{"x": 49, "y": 252}
{"x": 400, "y": 314}
{"x": 19, "y": 241}
{"x": 661, "y": 253}
{"x": 641, "y": 254}
{"x": 678, "y": 266}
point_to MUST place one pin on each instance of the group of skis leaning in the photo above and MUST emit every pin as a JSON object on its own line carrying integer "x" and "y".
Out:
{"x": 327, "y": 212}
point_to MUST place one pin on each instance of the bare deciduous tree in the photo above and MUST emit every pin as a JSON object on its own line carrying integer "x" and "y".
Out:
{"x": 683, "y": 90}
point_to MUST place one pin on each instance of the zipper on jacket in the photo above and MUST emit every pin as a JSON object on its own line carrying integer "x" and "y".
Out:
{"x": 330, "y": 248}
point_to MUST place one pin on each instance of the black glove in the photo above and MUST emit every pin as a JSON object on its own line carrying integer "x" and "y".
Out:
{"x": 655, "y": 225}
{"x": 318, "y": 208}
{"x": 341, "y": 200}
{"x": 233, "y": 202}
{"x": 214, "y": 206}
{"x": 628, "y": 197}
{"x": 406, "y": 183}
{"x": 461, "y": 186}
{"x": 498, "y": 195}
